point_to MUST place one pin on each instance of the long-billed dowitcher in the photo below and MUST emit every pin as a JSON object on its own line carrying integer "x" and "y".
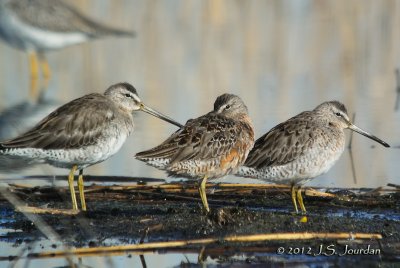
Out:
{"x": 301, "y": 148}
{"x": 83, "y": 132}
{"x": 37, "y": 26}
{"x": 208, "y": 147}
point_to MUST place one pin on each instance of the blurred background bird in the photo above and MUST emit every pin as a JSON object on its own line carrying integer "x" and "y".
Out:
{"x": 39, "y": 26}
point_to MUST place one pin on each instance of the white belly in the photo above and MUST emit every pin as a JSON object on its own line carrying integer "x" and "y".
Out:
{"x": 82, "y": 157}
{"x": 315, "y": 161}
{"x": 24, "y": 36}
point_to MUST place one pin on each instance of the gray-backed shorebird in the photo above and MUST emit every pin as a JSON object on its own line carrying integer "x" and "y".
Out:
{"x": 208, "y": 147}
{"x": 81, "y": 133}
{"x": 301, "y": 148}
{"x": 37, "y": 26}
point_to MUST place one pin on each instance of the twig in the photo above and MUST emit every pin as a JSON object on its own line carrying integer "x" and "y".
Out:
{"x": 141, "y": 256}
{"x": 89, "y": 178}
{"x": 36, "y": 210}
{"x": 205, "y": 241}
{"x": 184, "y": 186}
{"x": 18, "y": 257}
{"x": 41, "y": 225}
{"x": 313, "y": 192}
{"x": 393, "y": 185}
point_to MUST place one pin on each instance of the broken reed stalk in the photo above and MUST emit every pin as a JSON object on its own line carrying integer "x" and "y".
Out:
{"x": 189, "y": 188}
{"x": 397, "y": 186}
{"x": 40, "y": 224}
{"x": 313, "y": 192}
{"x": 37, "y": 210}
{"x": 178, "y": 188}
{"x": 205, "y": 241}
{"x": 181, "y": 186}
{"x": 222, "y": 187}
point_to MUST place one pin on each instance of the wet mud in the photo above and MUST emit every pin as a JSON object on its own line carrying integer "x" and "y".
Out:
{"x": 123, "y": 215}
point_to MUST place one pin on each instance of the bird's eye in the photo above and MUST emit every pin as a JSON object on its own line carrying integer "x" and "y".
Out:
{"x": 128, "y": 95}
{"x": 338, "y": 114}
{"x": 227, "y": 107}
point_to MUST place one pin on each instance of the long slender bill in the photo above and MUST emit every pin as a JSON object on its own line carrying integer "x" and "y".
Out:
{"x": 148, "y": 110}
{"x": 366, "y": 134}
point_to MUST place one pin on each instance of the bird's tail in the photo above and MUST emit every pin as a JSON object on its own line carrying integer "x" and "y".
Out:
{"x": 100, "y": 30}
{"x": 115, "y": 32}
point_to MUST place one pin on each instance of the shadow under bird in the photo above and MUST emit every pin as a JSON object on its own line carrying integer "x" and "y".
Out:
{"x": 38, "y": 26}
{"x": 208, "y": 147}
{"x": 301, "y": 148}
{"x": 81, "y": 133}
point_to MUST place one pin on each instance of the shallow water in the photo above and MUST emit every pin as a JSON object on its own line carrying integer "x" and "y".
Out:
{"x": 281, "y": 57}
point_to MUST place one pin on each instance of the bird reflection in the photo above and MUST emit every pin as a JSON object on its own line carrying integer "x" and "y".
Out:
{"x": 16, "y": 120}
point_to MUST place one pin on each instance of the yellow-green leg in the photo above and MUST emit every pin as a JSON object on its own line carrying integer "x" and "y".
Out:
{"x": 81, "y": 188}
{"x": 293, "y": 192}
{"x": 34, "y": 74}
{"x": 300, "y": 200}
{"x": 71, "y": 187}
{"x": 202, "y": 192}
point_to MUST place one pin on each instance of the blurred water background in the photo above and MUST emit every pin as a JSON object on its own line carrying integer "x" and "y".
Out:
{"x": 281, "y": 57}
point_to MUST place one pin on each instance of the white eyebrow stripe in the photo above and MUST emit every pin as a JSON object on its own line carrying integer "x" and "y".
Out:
{"x": 136, "y": 98}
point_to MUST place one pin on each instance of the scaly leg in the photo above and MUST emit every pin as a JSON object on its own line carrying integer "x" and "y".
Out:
{"x": 34, "y": 72}
{"x": 293, "y": 192}
{"x": 45, "y": 69}
{"x": 202, "y": 192}
{"x": 71, "y": 187}
{"x": 300, "y": 200}
{"x": 81, "y": 192}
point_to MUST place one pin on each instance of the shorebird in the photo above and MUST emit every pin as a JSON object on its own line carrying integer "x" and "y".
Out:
{"x": 301, "y": 148}
{"x": 208, "y": 147}
{"x": 81, "y": 133}
{"x": 38, "y": 26}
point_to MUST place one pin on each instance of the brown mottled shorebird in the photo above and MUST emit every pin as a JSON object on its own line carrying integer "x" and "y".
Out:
{"x": 81, "y": 133}
{"x": 208, "y": 147}
{"x": 38, "y": 26}
{"x": 301, "y": 148}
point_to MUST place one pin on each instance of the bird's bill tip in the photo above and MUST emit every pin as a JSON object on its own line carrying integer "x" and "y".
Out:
{"x": 368, "y": 135}
{"x": 153, "y": 112}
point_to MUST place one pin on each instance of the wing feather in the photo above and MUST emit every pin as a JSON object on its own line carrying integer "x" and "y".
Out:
{"x": 282, "y": 144}
{"x": 73, "y": 125}
{"x": 60, "y": 17}
{"x": 209, "y": 136}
